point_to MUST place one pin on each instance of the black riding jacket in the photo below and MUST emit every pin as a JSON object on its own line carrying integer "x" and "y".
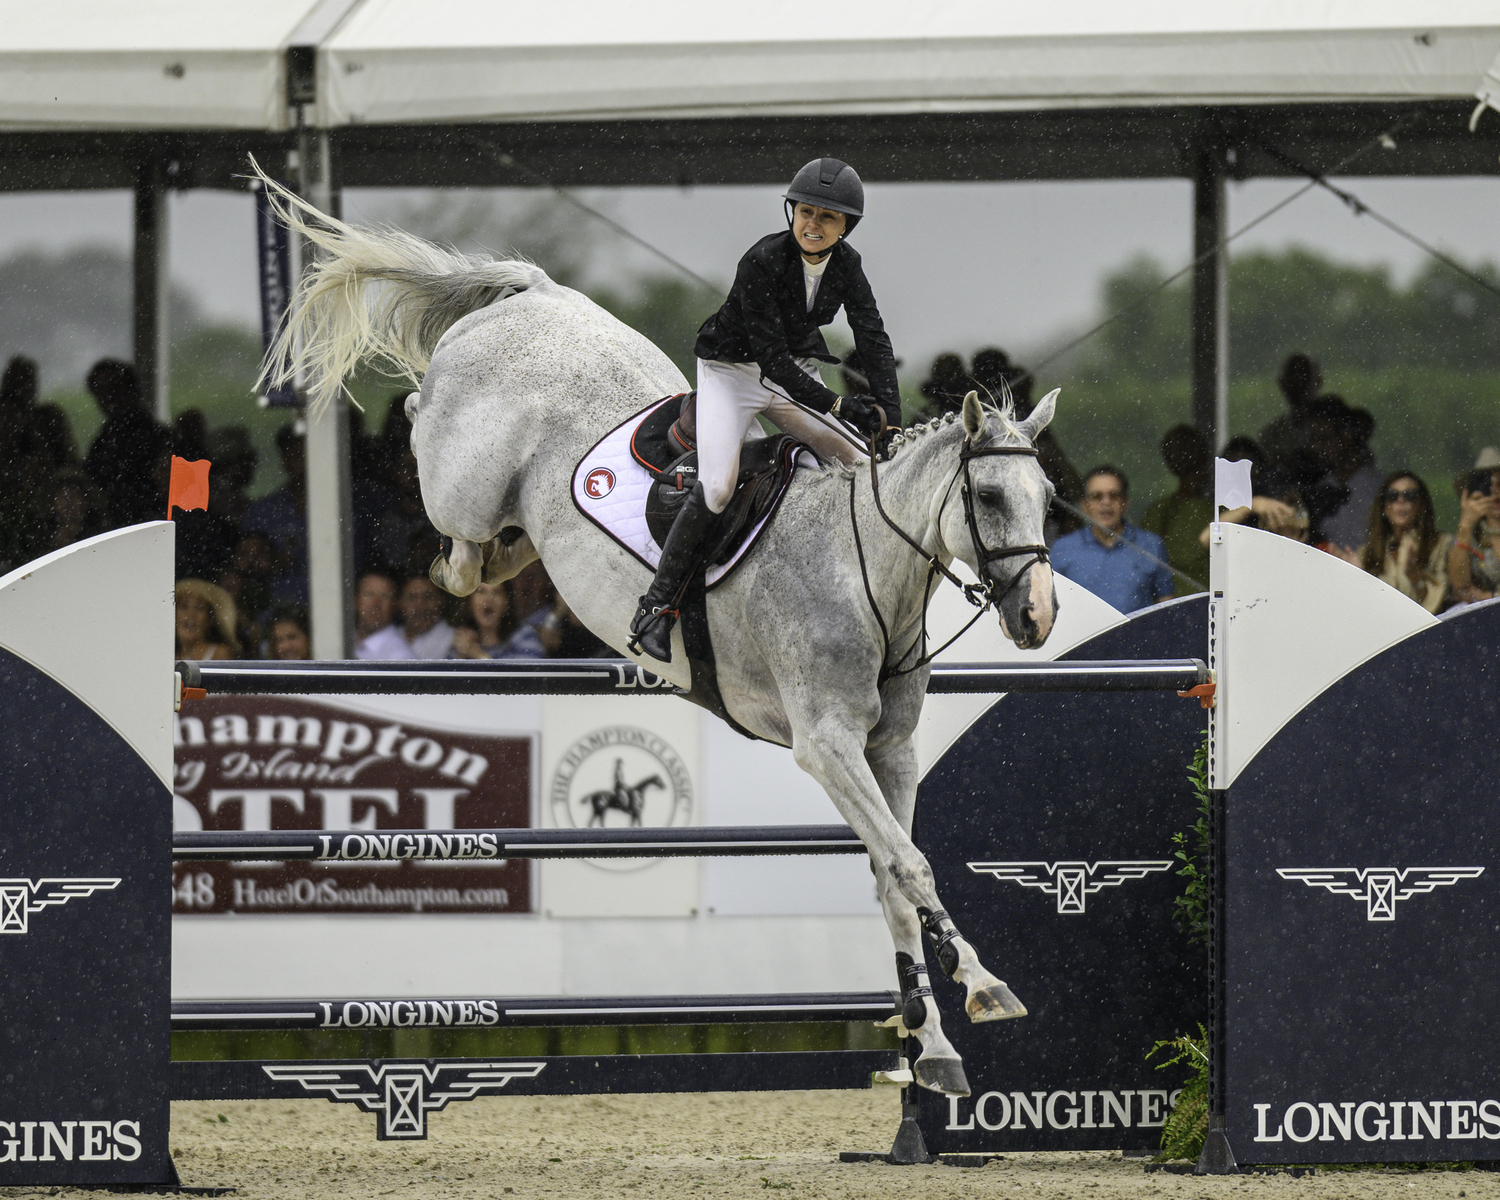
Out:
{"x": 764, "y": 320}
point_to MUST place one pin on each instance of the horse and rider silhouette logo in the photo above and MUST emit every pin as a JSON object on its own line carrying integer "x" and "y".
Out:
{"x": 599, "y": 483}
{"x": 623, "y": 797}
{"x": 621, "y": 777}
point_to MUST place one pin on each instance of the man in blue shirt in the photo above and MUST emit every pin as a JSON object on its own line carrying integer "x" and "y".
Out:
{"x": 1104, "y": 557}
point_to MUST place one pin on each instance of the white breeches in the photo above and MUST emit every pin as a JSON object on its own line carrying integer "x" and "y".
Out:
{"x": 730, "y": 397}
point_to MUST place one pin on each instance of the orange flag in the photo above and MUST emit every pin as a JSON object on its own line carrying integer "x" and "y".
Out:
{"x": 189, "y": 487}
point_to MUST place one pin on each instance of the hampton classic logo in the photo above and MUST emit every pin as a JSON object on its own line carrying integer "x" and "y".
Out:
{"x": 621, "y": 776}
{"x": 19, "y": 898}
{"x": 599, "y": 483}
{"x": 1071, "y": 883}
{"x": 1380, "y": 887}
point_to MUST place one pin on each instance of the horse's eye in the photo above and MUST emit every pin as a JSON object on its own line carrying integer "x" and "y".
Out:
{"x": 989, "y": 496}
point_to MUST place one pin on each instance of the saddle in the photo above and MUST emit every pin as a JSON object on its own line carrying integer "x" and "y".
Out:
{"x": 666, "y": 445}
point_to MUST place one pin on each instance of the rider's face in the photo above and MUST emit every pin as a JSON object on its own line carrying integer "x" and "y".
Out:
{"x": 817, "y": 229}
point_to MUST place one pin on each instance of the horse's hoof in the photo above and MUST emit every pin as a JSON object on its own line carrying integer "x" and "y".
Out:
{"x": 993, "y": 1002}
{"x": 942, "y": 1075}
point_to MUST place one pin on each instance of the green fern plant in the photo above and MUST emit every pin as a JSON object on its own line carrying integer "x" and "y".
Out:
{"x": 1187, "y": 1124}
{"x": 1190, "y": 910}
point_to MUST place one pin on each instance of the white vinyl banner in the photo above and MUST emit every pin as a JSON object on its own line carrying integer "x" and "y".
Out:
{"x": 606, "y": 765}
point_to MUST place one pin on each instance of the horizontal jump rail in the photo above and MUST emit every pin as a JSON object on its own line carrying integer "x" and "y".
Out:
{"x": 611, "y": 677}
{"x": 492, "y": 845}
{"x": 532, "y": 1011}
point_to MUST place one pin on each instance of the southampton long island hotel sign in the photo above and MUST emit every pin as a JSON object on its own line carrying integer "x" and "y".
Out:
{"x": 258, "y": 763}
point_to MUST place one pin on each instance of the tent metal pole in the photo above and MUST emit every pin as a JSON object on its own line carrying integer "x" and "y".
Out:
{"x": 1210, "y": 315}
{"x": 151, "y": 282}
{"x": 330, "y": 504}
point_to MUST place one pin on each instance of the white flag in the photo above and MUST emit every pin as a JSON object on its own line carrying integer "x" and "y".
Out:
{"x": 1231, "y": 484}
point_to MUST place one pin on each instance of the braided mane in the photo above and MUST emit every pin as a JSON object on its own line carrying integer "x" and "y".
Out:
{"x": 1004, "y": 412}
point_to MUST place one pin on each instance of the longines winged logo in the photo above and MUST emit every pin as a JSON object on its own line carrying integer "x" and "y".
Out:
{"x": 1071, "y": 882}
{"x": 401, "y": 1094}
{"x": 19, "y": 898}
{"x": 1380, "y": 887}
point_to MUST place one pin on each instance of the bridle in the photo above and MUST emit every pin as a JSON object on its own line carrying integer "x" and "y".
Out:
{"x": 984, "y": 595}
{"x": 983, "y": 554}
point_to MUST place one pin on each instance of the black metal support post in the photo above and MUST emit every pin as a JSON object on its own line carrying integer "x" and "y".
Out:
{"x": 1216, "y": 1158}
{"x": 151, "y": 284}
{"x": 909, "y": 1147}
{"x": 1210, "y": 316}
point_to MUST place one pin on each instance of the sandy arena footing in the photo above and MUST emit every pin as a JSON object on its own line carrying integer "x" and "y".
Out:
{"x": 718, "y": 1144}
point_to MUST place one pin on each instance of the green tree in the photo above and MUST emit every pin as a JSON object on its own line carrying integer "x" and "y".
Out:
{"x": 667, "y": 310}
{"x": 1348, "y": 317}
{"x": 1150, "y": 337}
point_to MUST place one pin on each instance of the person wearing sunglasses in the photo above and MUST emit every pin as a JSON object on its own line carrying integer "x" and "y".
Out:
{"x": 1405, "y": 548}
{"x": 1122, "y": 564}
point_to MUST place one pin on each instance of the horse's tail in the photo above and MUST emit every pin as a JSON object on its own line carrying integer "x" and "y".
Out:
{"x": 336, "y": 320}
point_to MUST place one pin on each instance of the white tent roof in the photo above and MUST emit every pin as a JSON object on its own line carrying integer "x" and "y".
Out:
{"x": 476, "y": 60}
{"x": 206, "y": 64}
{"x": 146, "y": 64}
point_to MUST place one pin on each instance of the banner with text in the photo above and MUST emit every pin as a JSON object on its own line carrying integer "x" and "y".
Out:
{"x": 276, "y": 762}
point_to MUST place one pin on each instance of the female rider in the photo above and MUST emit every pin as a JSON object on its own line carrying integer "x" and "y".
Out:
{"x": 759, "y": 354}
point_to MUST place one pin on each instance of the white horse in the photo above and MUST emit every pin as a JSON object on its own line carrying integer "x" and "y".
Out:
{"x": 520, "y": 377}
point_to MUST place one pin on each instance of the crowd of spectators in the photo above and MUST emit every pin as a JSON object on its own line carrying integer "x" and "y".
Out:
{"x": 242, "y": 563}
{"x": 1314, "y": 479}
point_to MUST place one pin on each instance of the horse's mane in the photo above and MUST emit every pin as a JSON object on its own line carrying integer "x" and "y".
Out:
{"x": 912, "y": 432}
{"x": 1004, "y": 412}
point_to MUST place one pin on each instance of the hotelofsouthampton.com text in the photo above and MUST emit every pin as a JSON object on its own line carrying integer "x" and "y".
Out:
{"x": 304, "y": 893}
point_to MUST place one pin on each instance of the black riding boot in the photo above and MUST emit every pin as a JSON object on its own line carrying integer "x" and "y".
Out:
{"x": 652, "y": 628}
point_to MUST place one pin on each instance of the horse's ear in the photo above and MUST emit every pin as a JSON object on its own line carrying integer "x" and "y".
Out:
{"x": 973, "y": 415}
{"x": 1041, "y": 416}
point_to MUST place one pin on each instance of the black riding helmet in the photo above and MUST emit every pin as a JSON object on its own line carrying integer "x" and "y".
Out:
{"x": 828, "y": 183}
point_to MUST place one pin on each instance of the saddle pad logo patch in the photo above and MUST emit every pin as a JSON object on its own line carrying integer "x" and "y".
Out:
{"x": 599, "y": 483}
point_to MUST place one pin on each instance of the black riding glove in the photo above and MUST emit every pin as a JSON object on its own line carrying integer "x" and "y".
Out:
{"x": 863, "y": 412}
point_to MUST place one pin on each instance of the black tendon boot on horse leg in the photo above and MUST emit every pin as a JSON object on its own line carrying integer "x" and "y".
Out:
{"x": 651, "y": 630}
{"x": 938, "y": 1068}
{"x": 988, "y": 998}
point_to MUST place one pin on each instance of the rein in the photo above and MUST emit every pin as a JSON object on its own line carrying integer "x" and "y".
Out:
{"x": 981, "y": 595}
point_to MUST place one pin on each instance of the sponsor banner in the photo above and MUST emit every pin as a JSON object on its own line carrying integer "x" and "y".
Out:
{"x": 1048, "y": 824}
{"x": 398, "y": 788}
{"x": 1360, "y": 955}
{"x": 1076, "y": 1108}
{"x": 1380, "y": 1121}
{"x": 85, "y": 942}
{"x": 69, "y": 1141}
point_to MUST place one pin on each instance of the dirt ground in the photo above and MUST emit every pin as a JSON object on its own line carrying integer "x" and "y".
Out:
{"x": 734, "y": 1145}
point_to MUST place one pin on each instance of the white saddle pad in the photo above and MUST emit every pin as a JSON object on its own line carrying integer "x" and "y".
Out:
{"x": 610, "y": 487}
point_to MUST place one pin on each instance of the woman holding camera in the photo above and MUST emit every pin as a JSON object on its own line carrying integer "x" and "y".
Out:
{"x": 1474, "y": 560}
